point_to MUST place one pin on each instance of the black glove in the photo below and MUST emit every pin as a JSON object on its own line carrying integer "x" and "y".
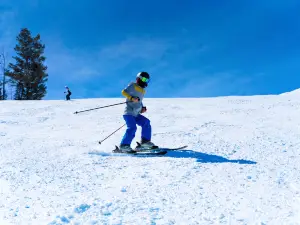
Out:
{"x": 144, "y": 109}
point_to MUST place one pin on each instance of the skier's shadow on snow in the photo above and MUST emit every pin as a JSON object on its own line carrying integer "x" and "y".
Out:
{"x": 199, "y": 156}
{"x": 205, "y": 158}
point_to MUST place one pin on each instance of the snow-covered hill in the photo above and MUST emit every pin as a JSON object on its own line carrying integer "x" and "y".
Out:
{"x": 292, "y": 93}
{"x": 242, "y": 165}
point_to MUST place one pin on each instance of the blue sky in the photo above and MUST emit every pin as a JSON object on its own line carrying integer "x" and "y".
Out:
{"x": 190, "y": 48}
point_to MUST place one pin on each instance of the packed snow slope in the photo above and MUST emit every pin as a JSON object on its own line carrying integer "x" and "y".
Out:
{"x": 242, "y": 164}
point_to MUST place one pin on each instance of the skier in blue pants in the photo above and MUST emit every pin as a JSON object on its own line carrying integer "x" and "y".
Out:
{"x": 134, "y": 94}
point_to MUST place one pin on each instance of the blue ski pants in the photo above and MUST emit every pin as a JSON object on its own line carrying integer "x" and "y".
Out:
{"x": 131, "y": 122}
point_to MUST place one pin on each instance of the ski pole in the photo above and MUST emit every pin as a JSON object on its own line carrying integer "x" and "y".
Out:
{"x": 111, "y": 134}
{"x": 99, "y": 107}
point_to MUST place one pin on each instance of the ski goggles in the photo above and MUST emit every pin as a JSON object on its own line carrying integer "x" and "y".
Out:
{"x": 144, "y": 79}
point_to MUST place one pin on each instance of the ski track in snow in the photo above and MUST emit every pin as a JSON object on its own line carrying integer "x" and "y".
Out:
{"x": 241, "y": 165}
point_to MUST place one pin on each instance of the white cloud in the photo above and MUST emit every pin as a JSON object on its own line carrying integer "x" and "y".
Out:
{"x": 216, "y": 84}
{"x": 161, "y": 57}
{"x": 81, "y": 66}
{"x": 66, "y": 63}
{"x": 84, "y": 64}
{"x": 134, "y": 48}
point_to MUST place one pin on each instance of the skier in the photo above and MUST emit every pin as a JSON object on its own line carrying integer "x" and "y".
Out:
{"x": 134, "y": 94}
{"x": 69, "y": 93}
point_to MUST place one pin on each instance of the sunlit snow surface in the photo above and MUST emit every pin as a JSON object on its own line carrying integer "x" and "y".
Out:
{"x": 241, "y": 165}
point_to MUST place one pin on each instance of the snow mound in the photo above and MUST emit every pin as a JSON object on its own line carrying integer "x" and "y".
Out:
{"x": 291, "y": 93}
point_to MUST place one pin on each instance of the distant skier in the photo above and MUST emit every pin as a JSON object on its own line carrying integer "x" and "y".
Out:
{"x": 69, "y": 93}
{"x": 134, "y": 94}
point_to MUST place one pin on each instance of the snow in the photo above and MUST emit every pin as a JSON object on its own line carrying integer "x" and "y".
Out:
{"x": 292, "y": 93}
{"x": 241, "y": 165}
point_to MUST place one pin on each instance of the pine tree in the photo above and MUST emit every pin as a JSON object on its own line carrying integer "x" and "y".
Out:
{"x": 3, "y": 94}
{"x": 28, "y": 73}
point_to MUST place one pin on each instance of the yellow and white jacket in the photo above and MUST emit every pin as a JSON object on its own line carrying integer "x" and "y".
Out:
{"x": 133, "y": 90}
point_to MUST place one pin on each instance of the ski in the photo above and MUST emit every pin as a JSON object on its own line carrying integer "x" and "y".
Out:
{"x": 176, "y": 148}
{"x": 156, "y": 151}
{"x": 138, "y": 148}
{"x": 152, "y": 151}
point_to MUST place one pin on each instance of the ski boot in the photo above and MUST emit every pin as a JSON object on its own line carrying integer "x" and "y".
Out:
{"x": 145, "y": 146}
{"x": 126, "y": 149}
